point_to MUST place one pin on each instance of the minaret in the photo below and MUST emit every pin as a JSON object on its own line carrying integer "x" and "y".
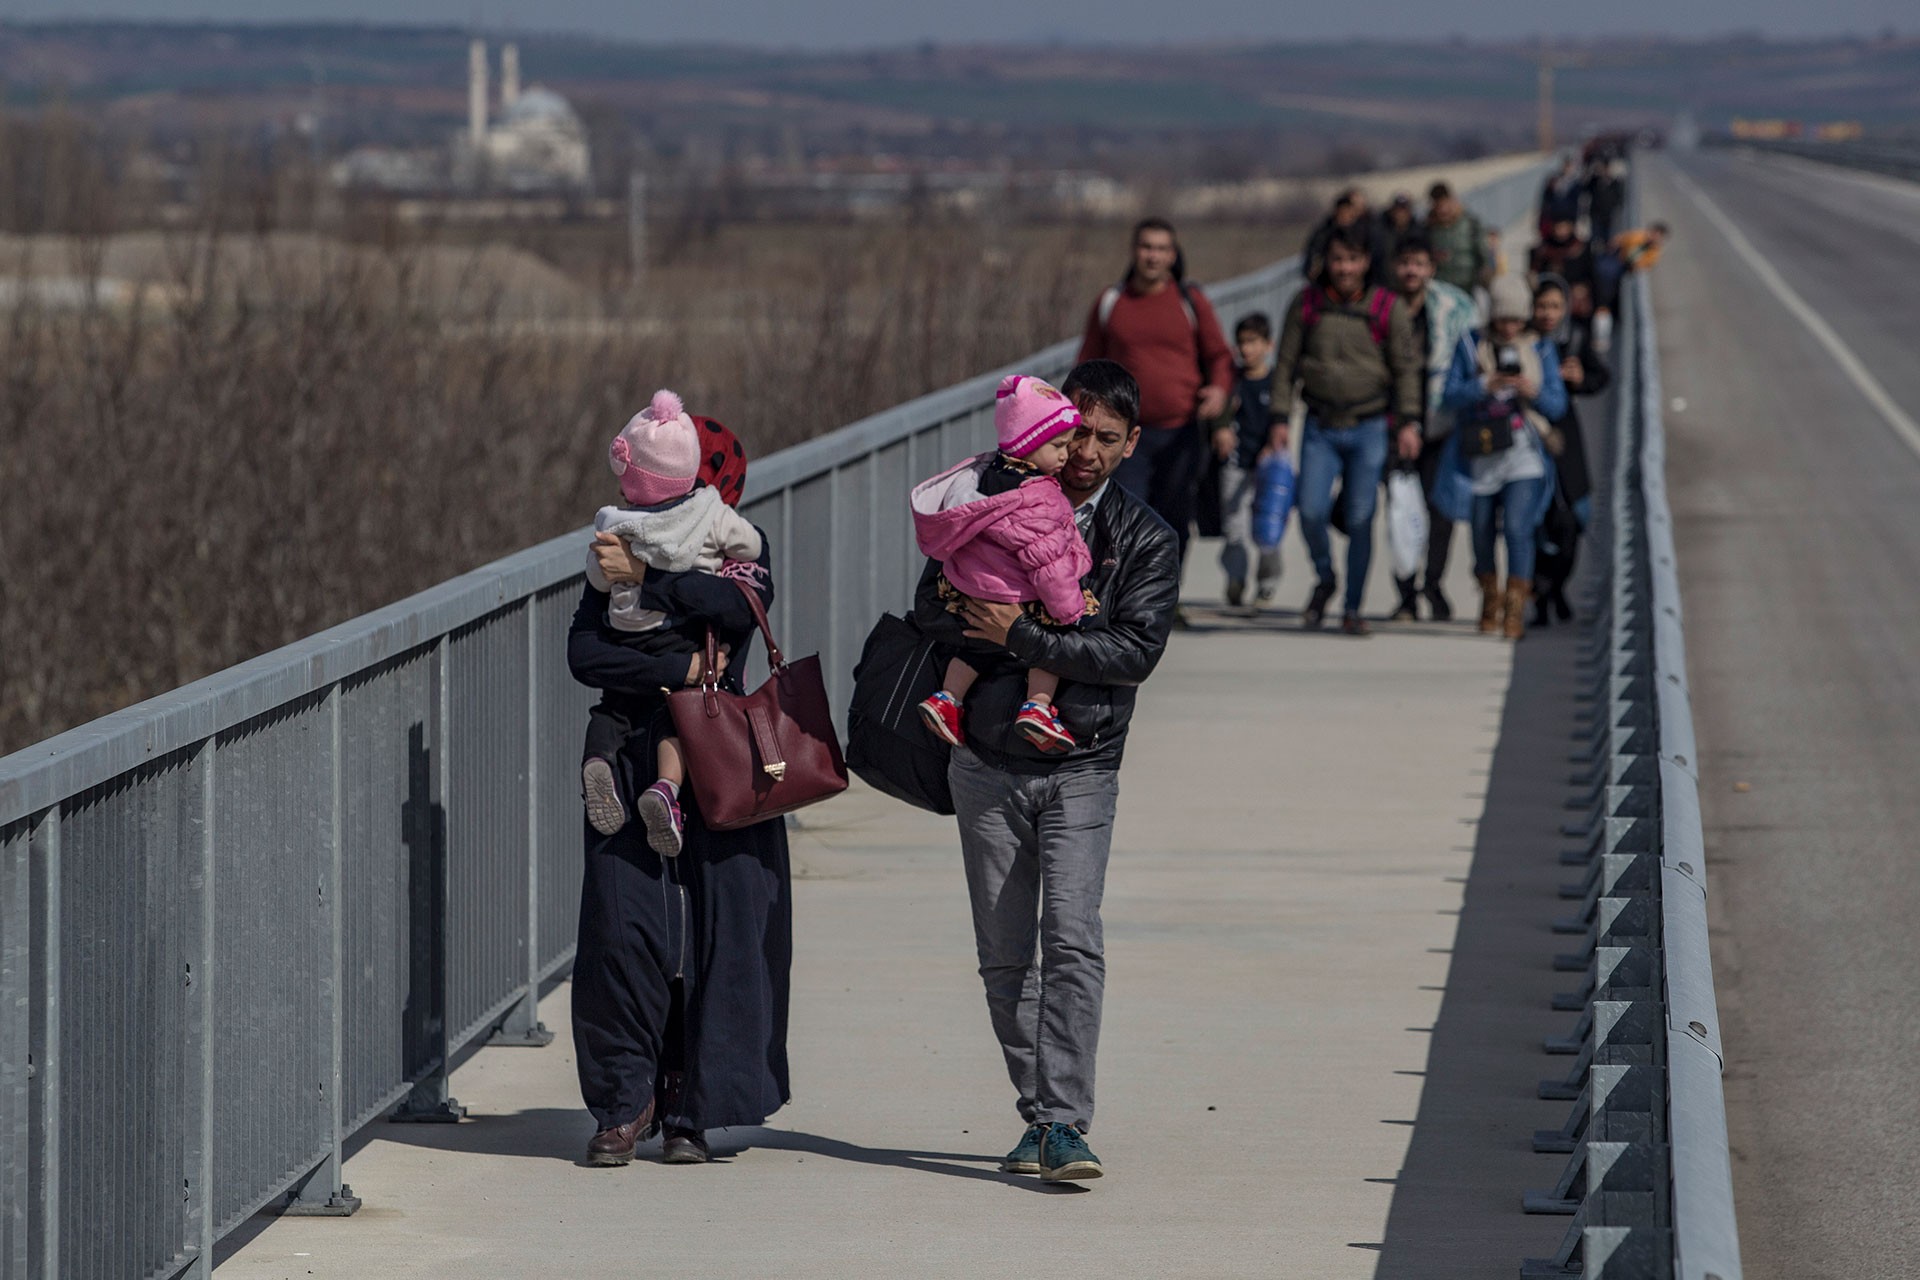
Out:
{"x": 477, "y": 93}
{"x": 509, "y": 75}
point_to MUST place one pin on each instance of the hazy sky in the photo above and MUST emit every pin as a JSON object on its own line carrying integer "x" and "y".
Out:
{"x": 882, "y": 22}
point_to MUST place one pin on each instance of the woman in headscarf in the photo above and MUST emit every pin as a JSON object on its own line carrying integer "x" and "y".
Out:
{"x": 681, "y": 976}
{"x": 1562, "y": 314}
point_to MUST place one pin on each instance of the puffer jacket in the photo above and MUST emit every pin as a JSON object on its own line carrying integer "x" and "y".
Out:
{"x": 1136, "y": 577}
{"x": 1010, "y": 547}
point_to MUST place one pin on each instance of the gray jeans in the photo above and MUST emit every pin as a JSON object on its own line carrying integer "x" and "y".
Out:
{"x": 1035, "y": 849}
{"x": 1238, "y": 487}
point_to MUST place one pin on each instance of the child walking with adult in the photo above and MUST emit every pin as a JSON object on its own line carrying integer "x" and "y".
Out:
{"x": 1003, "y": 531}
{"x": 672, "y": 527}
{"x": 1240, "y": 440}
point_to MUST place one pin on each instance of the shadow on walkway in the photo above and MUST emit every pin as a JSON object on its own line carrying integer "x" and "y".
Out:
{"x": 553, "y": 1133}
{"x": 1456, "y": 1202}
{"x": 952, "y": 1164}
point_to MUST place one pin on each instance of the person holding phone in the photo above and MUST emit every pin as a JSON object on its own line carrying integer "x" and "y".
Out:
{"x": 1506, "y": 388}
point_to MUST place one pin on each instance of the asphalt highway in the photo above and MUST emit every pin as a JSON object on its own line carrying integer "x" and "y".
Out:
{"x": 1796, "y": 494}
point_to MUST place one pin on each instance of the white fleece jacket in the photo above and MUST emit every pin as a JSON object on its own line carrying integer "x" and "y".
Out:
{"x": 698, "y": 532}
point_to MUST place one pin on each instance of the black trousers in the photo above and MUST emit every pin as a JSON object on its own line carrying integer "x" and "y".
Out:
{"x": 1439, "y": 528}
{"x": 609, "y": 724}
{"x": 1164, "y": 472}
{"x": 680, "y": 980}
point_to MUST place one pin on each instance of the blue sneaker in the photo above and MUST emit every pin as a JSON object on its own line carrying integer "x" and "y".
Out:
{"x": 1025, "y": 1158}
{"x": 1065, "y": 1156}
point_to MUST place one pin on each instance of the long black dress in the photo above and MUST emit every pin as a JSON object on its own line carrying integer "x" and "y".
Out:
{"x": 1562, "y": 530}
{"x": 680, "y": 982}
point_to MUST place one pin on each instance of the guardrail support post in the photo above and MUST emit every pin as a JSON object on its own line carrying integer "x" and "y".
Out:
{"x": 44, "y": 1049}
{"x": 324, "y": 1193}
{"x": 522, "y": 1028}
{"x": 429, "y": 1101}
{"x": 198, "y": 1126}
{"x": 16, "y": 1078}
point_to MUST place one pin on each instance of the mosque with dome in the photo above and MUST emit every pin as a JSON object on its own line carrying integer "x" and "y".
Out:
{"x": 533, "y": 143}
{"x": 536, "y": 143}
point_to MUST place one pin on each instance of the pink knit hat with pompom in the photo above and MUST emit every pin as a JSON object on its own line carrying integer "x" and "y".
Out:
{"x": 1027, "y": 413}
{"x": 657, "y": 454}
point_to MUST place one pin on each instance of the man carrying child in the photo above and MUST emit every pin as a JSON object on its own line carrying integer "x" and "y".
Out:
{"x": 1028, "y": 817}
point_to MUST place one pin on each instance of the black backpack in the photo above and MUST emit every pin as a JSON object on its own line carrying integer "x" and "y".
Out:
{"x": 888, "y": 746}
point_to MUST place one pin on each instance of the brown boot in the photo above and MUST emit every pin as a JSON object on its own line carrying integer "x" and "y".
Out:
{"x": 1519, "y": 590}
{"x": 684, "y": 1146}
{"x": 1490, "y": 602}
{"x": 615, "y": 1146}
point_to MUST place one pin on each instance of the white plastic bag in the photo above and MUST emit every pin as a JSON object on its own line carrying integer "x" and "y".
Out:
{"x": 1406, "y": 523}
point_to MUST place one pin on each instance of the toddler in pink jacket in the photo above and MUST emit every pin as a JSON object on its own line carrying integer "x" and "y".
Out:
{"x": 1003, "y": 530}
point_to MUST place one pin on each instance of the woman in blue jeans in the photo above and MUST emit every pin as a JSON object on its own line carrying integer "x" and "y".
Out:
{"x": 1504, "y": 387}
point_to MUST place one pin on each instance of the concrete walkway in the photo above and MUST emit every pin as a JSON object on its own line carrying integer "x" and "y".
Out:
{"x": 1297, "y": 821}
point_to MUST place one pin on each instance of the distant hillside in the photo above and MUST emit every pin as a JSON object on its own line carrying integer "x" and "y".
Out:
{"x": 1262, "y": 107}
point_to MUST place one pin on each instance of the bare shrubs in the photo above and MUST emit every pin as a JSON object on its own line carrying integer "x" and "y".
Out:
{"x": 221, "y": 436}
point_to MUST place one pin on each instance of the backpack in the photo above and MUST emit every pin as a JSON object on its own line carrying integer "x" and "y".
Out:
{"x": 1379, "y": 312}
{"x": 1111, "y": 299}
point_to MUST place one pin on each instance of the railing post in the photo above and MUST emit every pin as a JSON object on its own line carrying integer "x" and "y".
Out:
{"x": 522, "y": 1028}
{"x": 198, "y": 1124}
{"x": 428, "y": 1102}
{"x": 323, "y": 1193}
{"x": 16, "y": 1074}
{"x": 44, "y": 1049}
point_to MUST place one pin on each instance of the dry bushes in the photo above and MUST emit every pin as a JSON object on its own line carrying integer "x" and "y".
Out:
{"x": 269, "y": 431}
{"x": 259, "y": 444}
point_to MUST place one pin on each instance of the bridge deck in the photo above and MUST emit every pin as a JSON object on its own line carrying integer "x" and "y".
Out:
{"x": 1283, "y": 968}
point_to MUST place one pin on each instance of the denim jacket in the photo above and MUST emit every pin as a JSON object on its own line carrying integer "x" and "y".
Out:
{"x": 1453, "y": 479}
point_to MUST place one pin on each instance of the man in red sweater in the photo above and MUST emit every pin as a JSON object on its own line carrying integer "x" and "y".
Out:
{"x": 1166, "y": 334}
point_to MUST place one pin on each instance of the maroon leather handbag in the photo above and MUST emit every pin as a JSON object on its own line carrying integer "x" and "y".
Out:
{"x": 755, "y": 756}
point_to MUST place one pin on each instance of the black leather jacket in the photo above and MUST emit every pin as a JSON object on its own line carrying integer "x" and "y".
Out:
{"x": 1136, "y": 578}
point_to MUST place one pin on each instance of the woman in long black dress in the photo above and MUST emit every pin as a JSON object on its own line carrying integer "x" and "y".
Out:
{"x": 680, "y": 982}
{"x": 1563, "y": 314}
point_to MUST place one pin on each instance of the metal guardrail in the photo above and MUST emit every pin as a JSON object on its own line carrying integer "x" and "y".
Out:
{"x": 242, "y": 920}
{"x": 1648, "y": 1181}
{"x": 1894, "y": 159}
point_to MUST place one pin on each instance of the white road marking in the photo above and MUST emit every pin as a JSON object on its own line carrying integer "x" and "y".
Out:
{"x": 1902, "y": 423}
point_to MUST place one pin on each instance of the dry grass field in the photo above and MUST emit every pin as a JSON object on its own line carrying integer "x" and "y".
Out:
{"x": 213, "y": 442}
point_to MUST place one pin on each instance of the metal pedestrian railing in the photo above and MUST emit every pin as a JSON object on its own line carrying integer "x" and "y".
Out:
{"x": 1648, "y": 1180}
{"x": 242, "y": 920}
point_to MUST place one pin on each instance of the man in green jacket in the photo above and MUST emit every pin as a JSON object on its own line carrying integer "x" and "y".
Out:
{"x": 1351, "y": 353}
{"x": 1462, "y": 256}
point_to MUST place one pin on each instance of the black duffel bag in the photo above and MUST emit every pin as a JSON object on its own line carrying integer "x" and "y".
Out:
{"x": 888, "y": 746}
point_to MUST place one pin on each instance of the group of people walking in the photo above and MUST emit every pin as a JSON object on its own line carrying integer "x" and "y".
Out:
{"x": 1410, "y": 349}
{"x": 1049, "y": 593}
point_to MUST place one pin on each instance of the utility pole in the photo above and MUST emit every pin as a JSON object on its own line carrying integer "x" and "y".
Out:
{"x": 636, "y": 225}
{"x": 1546, "y": 101}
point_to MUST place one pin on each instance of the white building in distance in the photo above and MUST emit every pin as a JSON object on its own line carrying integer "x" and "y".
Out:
{"x": 536, "y": 144}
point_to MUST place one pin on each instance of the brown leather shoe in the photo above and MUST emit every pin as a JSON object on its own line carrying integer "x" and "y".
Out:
{"x": 615, "y": 1146}
{"x": 1490, "y": 602}
{"x": 1519, "y": 590}
{"x": 685, "y": 1146}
